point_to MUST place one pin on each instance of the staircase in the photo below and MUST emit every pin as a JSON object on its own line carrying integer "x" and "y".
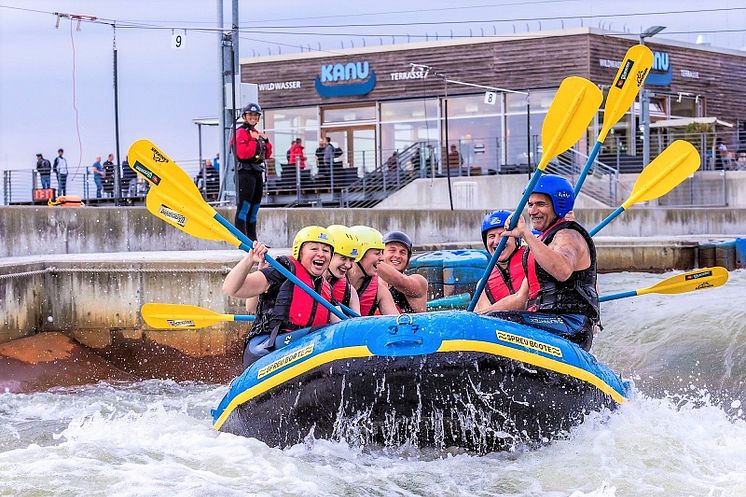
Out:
{"x": 601, "y": 184}
{"x": 399, "y": 170}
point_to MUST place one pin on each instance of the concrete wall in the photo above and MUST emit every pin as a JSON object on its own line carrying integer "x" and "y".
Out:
{"x": 84, "y": 296}
{"x": 28, "y": 231}
{"x": 504, "y": 191}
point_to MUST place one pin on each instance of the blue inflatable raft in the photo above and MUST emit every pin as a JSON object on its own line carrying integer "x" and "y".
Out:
{"x": 438, "y": 379}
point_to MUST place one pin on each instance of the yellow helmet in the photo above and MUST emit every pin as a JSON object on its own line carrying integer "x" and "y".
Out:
{"x": 311, "y": 234}
{"x": 345, "y": 242}
{"x": 370, "y": 238}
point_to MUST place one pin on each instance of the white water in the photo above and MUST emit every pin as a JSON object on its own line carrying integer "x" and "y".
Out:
{"x": 683, "y": 434}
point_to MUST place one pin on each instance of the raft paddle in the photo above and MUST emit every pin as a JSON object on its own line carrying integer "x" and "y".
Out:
{"x": 181, "y": 316}
{"x": 699, "y": 279}
{"x": 576, "y": 102}
{"x": 676, "y": 163}
{"x": 627, "y": 82}
{"x": 174, "y": 198}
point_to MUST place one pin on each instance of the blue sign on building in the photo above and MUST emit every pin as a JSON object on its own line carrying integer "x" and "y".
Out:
{"x": 661, "y": 73}
{"x": 342, "y": 80}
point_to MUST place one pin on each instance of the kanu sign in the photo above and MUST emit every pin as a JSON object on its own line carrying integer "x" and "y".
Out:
{"x": 342, "y": 80}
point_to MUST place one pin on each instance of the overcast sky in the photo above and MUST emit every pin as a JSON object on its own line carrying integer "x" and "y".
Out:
{"x": 162, "y": 89}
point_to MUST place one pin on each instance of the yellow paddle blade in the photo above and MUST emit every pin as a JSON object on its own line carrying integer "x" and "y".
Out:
{"x": 169, "y": 206}
{"x": 627, "y": 82}
{"x": 676, "y": 163}
{"x": 156, "y": 167}
{"x": 170, "y": 316}
{"x": 699, "y": 279}
{"x": 576, "y": 102}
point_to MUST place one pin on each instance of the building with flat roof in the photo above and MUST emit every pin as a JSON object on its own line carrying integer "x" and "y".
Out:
{"x": 375, "y": 101}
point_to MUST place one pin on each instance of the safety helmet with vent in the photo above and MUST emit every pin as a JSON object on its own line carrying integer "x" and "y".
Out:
{"x": 559, "y": 190}
{"x": 492, "y": 220}
{"x": 311, "y": 234}
{"x": 370, "y": 238}
{"x": 345, "y": 242}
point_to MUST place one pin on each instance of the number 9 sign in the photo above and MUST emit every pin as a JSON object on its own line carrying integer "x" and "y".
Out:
{"x": 177, "y": 41}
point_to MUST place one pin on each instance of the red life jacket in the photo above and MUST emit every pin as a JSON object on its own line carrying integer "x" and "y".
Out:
{"x": 368, "y": 293}
{"x": 576, "y": 295}
{"x": 341, "y": 290}
{"x": 294, "y": 307}
{"x": 504, "y": 282}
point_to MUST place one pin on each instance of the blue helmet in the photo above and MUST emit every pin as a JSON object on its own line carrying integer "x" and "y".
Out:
{"x": 559, "y": 190}
{"x": 494, "y": 219}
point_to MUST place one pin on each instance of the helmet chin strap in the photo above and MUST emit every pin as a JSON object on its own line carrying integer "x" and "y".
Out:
{"x": 361, "y": 269}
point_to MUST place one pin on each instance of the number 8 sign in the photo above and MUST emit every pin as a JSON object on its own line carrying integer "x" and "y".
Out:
{"x": 490, "y": 97}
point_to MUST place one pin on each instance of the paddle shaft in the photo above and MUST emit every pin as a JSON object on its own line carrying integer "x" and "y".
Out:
{"x": 243, "y": 317}
{"x": 247, "y": 244}
{"x": 496, "y": 254}
{"x": 606, "y": 221}
{"x": 616, "y": 296}
{"x": 587, "y": 167}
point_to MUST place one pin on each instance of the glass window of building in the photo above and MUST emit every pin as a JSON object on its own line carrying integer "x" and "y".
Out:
{"x": 285, "y": 125}
{"x": 348, "y": 114}
{"x": 409, "y": 124}
{"x": 474, "y": 134}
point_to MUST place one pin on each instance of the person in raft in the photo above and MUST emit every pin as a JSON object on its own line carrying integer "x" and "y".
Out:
{"x": 346, "y": 253}
{"x": 283, "y": 307}
{"x": 507, "y": 276}
{"x": 409, "y": 291}
{"x": 373, "y": 292}
{"x": 560, "y": 265}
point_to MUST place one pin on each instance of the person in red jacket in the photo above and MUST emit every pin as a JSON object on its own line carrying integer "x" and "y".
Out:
{"x": 297, "y": 154}
{"x": 252, "y": 148}
{"x": 508, "y": 274}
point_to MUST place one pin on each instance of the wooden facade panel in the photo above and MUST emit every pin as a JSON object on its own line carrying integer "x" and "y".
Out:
{"x": 514, "y": 64}
{"x": 719, "y": 78}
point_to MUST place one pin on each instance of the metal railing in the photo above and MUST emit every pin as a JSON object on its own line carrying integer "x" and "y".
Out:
{"x": 602, "y": 183}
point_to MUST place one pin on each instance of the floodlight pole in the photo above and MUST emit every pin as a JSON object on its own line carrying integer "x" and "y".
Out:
{"x": 645, "y": 101}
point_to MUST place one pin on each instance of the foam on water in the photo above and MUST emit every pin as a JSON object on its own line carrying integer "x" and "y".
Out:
{"x": 155, "y": 437}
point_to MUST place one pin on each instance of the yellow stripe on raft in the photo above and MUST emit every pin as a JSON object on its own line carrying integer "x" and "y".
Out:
{"x": 533, "y": 359}
{"x": 447, "y": 346}
{"x": 290, "y": 373}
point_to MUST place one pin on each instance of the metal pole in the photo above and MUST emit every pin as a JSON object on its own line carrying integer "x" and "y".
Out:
{"x": 644, "y": 117}
{"x": 223, "y": 142}
{"x": 445, "y": 122}
{"x": 528, "y": 135}
{"x": 118, "y": 170}
{"x": 201, "y": 161}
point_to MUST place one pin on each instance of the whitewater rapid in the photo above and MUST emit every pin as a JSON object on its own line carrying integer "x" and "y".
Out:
{"x": 682, "y": 433}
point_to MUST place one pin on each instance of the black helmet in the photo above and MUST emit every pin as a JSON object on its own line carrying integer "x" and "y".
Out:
{"x": 252, "y": 107}
{"x": 399, "y": 237}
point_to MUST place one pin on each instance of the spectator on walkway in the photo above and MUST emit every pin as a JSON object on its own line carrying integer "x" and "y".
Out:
{"x": 98, "y": 172}
{"x": 297, "y": 154}
{"x": 109, "y": 176}
{"x": 128, "y": 177}
{"x": 722, "y": 156}
{"x": 208, "y": 180}
{"x": 216, "y": 161}
{"x": 60, "y": 169}
{"x": 454, "y": 158}
{"x": 320, "y": 156}
{"x": 44, "y": 168}
{"x": 328, "y": 156}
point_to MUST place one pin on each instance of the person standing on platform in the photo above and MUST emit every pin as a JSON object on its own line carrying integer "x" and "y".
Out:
{"x": 98, "y": 172}
{"x": 44, "y": 168}
{"x": 252, "y": 148}
{"x": 60, "y": 168}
